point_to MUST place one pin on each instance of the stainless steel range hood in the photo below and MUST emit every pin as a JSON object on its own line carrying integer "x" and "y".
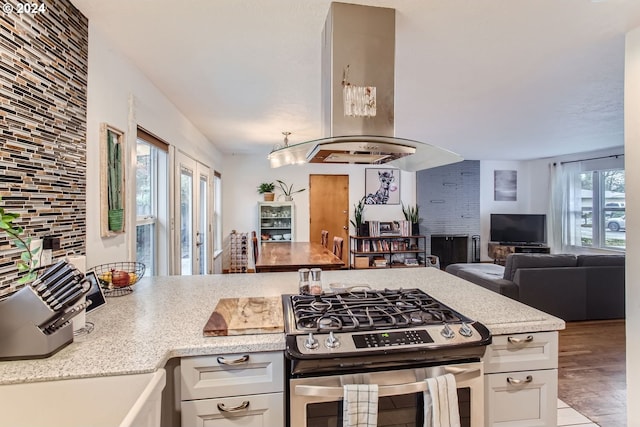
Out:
{"x": 362, "y": 40}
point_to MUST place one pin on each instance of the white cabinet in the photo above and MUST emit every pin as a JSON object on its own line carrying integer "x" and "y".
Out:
{"x": 521, "y": 380}
{"x": 254, "y": 410}
{"x": 233, "y": 389}
{"x": 276, "y": 221}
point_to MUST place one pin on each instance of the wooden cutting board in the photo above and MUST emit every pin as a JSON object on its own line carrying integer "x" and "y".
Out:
{"x": 245, "y": 316}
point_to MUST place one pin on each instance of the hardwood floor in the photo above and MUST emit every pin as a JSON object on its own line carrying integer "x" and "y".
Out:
{"x": 591, "y": 374}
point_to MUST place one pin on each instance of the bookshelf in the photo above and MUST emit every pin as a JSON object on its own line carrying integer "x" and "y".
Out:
{"x": 387, "y": 251}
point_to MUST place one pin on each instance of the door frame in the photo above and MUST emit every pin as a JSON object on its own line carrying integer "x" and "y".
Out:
{"x": 177, "y": 159}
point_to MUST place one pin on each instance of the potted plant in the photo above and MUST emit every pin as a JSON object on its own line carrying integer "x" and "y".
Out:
{"x": 412, "y": 215}
{"x": 287, "y": 191}
{"x": 266, "y": 189}
{"x": 28, "y": 262}
{"x": 357, "y": 221}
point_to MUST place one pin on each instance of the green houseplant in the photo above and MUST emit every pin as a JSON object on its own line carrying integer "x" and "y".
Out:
{"x": 357, "y": 221}
{"x": 28, "y": 262}
{"x": 412, "y": 214}
{"x": 287, "y": 190}
{"x": 266, "y": 189}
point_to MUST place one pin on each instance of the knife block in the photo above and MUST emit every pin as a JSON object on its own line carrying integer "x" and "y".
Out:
{"x": 21, "y": 337}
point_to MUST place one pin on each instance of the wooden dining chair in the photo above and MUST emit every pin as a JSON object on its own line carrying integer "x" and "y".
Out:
{"x": 254, "y": 243}
{"x": 324, "y": 240}
{"x": 337, "y": 246}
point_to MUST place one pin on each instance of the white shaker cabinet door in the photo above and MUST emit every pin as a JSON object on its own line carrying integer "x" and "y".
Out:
{"x": 522, "y": 399}
{"x": 261, "y": 410}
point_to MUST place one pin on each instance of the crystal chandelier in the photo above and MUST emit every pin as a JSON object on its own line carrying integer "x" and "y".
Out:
{"x": 359, "y": 101}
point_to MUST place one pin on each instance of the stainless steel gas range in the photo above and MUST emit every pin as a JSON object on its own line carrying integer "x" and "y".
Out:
{"x": 393, "y": 338}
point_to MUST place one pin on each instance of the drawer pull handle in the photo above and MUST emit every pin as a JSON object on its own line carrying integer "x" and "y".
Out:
{"x": 514, "y": 381}
{"x": 239, "y": 361}
{"x": 513, "y": 340}
{"x": 243, "y": 406}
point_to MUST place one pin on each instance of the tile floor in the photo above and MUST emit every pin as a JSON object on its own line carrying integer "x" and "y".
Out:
{"x": 568, "y": 416}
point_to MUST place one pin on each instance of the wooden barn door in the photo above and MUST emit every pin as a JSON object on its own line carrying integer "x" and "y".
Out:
{"x": 329, "y": 209}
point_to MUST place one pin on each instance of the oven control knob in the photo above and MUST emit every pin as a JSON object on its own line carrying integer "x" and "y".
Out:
{"x": 465, "y": 330}
{"x": 447, "y": 332}
{"x": 332, "y": 341}
{"x": 311, "y": 343}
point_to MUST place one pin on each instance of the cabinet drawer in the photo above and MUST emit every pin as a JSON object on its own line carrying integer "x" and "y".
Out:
{"x": 248, "y": 411}
{"x": 517, "y": 352}
{"x": 522, "y": 399}
{"x": 231, "y": 375}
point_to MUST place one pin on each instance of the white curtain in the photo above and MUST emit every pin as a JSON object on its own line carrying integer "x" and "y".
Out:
{"x": 565, "y": 207}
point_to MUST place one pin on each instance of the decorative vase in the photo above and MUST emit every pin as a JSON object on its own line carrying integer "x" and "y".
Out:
{"x": 116, "y": 217}
{"x": 288, "y": 198}
{"x": 268, "y": 197}
{"x": 363, "y": 230}
{"x": 415, "y": 229}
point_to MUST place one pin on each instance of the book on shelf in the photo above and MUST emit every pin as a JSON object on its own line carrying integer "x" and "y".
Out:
{"x": 374, "y": 228}
{"x": 405, "y": 227}
{"x": 379, "y": 262}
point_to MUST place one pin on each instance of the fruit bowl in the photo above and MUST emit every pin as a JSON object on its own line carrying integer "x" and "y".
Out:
{"x": 117, "y": 278}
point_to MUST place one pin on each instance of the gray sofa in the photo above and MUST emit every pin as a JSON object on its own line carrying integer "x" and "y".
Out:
{"x": 582, "y": 287}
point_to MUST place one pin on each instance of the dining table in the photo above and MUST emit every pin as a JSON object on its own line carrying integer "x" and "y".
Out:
{"x": 291, "y": 256}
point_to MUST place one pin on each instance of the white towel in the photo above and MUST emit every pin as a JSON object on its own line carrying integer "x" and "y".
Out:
{"x": 360, "y": 406}
{"x": 441, "y": 402}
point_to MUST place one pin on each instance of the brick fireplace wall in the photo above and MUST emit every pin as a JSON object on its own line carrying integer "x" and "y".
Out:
{"x": 43, "y": 108}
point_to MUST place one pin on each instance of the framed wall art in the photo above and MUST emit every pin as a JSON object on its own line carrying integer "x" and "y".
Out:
{"x": 112, "y": 181}
{"x": 382, "y": 186}
{"x": 505, "y": 187}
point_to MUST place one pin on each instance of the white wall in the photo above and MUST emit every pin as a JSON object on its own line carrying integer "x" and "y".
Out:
{"x": 243, "y": 174}
{"x": 120, "y": 95}
{"x": 527, "y": 200}
{"x": 632, "y": 154}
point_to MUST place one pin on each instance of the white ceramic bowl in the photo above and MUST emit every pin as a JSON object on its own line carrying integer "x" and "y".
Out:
{"x": 277, "y": 237}
{"x": 286, "y": 236}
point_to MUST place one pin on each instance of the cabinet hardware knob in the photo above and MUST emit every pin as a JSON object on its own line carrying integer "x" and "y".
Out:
{"x": 244, "y": 405}
{"x": 239, "y": 361}
{"x": 514, "y": 381}
{"x": 514, "y": 340}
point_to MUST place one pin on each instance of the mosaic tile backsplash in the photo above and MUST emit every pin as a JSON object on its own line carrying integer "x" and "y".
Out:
{"x": 43, "y": 108}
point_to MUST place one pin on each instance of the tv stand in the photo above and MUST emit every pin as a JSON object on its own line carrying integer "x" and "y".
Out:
{"x": 499, "y": 251}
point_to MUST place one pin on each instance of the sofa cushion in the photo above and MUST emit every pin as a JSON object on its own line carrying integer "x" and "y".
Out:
{"x": 600, "y": 260}
{"x": 516, "y": 261}
{"x": 491, "y": 281}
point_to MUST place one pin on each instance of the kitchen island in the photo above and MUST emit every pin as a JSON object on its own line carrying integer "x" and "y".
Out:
{"x": 164, "y": 316}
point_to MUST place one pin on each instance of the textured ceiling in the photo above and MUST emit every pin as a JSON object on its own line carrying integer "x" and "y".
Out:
{"x": 488, "y": 79}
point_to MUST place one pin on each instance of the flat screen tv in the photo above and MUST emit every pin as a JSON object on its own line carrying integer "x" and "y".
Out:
{"x": 519, "y": 228}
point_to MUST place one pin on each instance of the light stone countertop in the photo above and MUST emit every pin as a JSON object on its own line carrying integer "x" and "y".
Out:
{"x": 164, "y": 316}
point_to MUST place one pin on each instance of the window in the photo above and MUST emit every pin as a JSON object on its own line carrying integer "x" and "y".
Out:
{"x": 151, "y": 203}
{"x": 593, "y": 205}
{"x": 603, "y": 209}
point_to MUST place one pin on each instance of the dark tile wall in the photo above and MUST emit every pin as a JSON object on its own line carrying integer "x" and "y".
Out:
{"x": 43, "y": 108}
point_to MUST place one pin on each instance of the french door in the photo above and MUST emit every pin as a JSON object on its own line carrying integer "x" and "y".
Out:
{"x": 192, "y": 245}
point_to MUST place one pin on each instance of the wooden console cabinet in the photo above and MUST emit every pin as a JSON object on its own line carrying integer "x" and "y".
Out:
{"x": 499, "y": 252}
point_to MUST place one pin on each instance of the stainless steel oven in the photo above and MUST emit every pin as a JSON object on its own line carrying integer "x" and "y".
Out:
{"x": 317, "y": 401}
{"x": 393, "y": 338}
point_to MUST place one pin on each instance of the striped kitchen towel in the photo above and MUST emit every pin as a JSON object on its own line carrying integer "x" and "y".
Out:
{"x": 441, "y": 402}
{"x": 360, "y": 406}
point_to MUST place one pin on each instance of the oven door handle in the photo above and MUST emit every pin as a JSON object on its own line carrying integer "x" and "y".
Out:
{"x": 383, "y": 390}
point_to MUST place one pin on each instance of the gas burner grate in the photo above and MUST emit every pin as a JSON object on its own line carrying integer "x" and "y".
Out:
{"x": 368, "y": 310}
